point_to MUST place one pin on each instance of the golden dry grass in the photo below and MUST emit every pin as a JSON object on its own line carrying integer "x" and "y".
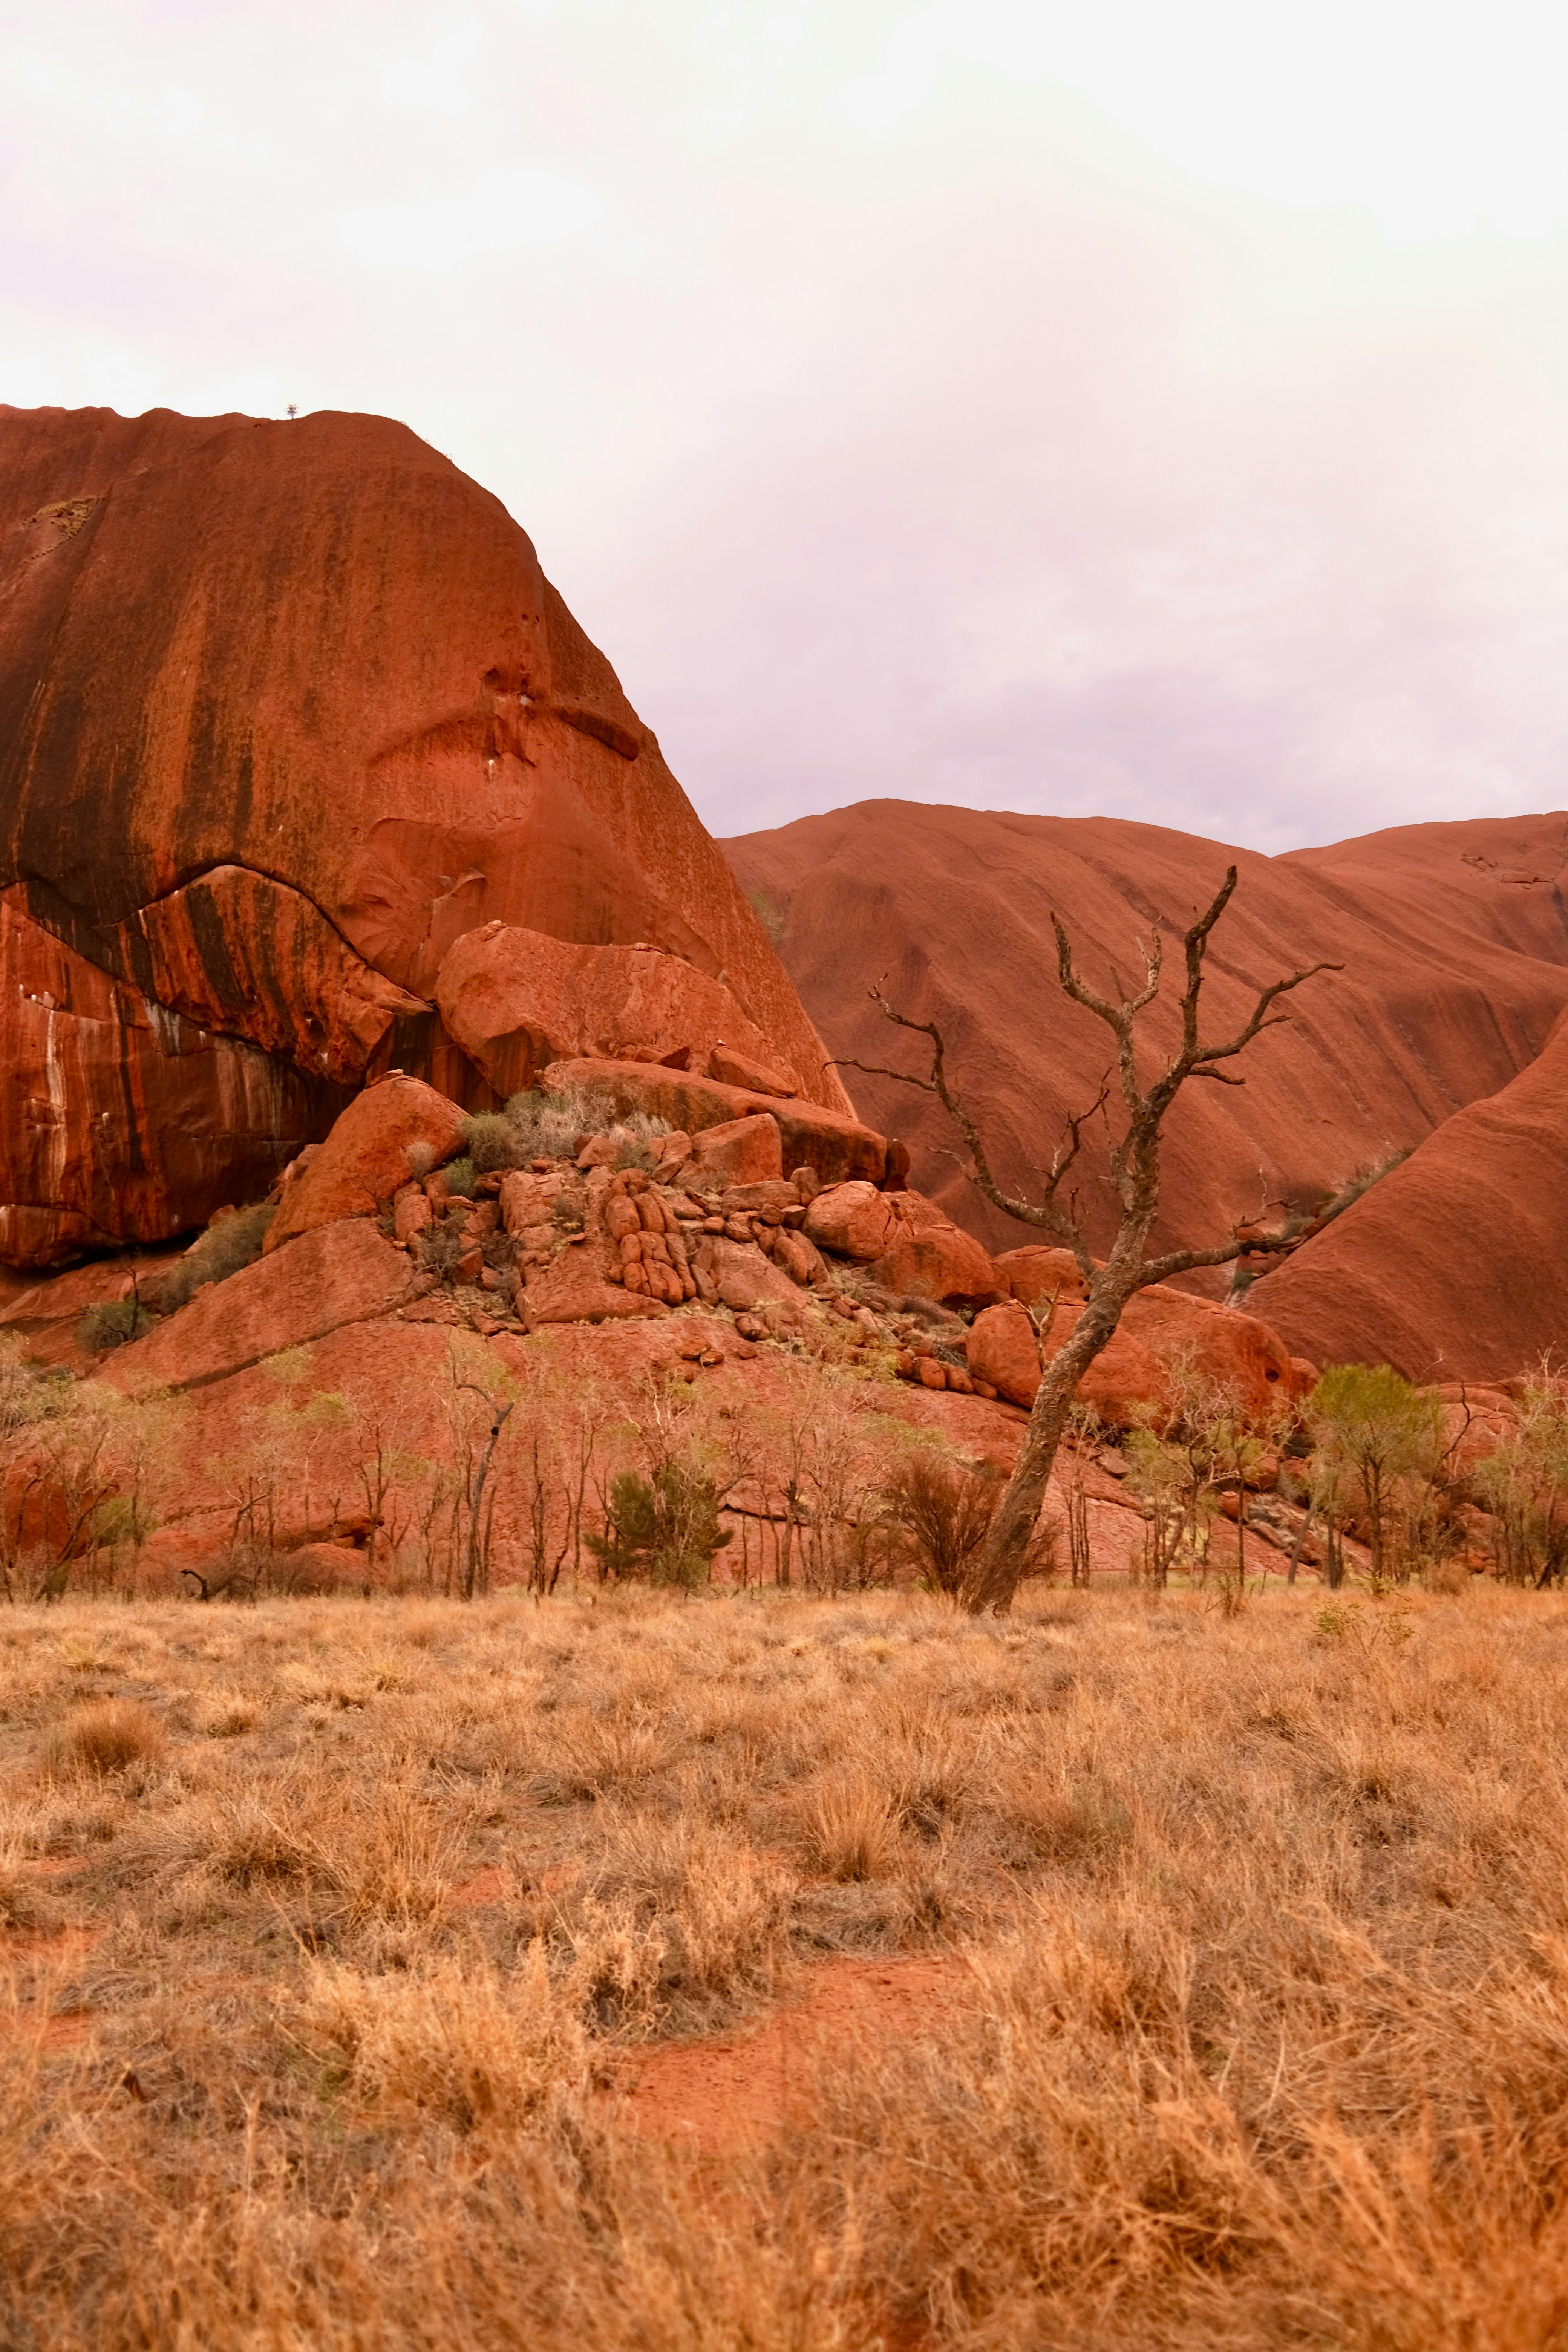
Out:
{"x": 313, "y": 1998}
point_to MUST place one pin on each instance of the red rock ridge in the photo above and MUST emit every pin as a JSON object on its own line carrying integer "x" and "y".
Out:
{"x": 1453, "y": 941}
{"x": 1454, "y": 1267}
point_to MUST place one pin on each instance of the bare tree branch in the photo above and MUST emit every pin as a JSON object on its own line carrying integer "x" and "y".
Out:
{"x": 1132, "y": 1164}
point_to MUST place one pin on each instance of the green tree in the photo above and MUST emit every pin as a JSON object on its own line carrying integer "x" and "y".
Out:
{"x": 1380, "y": 1433}
{"x": 665, "y": 1528}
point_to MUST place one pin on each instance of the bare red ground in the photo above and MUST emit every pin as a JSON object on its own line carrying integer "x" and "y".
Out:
{"x": 736, "y": 2091}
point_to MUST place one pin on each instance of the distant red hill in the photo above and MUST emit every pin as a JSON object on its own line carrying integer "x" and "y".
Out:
{"x": 1454, "y": 939}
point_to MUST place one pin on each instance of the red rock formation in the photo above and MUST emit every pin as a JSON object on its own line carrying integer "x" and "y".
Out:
{"x": 118, "y": 1120}
{"x": 1237, "y": 1355}
{"x": 1455, "y": 1264}
{"x": 399, "y": 1129}
{"x": 1453, "y": 940}
{"x": 288, "y": 709}
{"x": 516, "y": 1001}
{"x": 339, "y": 1274}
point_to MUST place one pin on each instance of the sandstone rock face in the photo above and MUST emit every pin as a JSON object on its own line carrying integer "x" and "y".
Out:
{"x": 288, "y": 711}
{"x": 516, "y": 1001}
{"x": 835, "y": 1146}
{"x": 1453, "y": 938}
{"x": 1455, "y": 1264}
{"x": 741, "y": 1151}
{"x": 119, "y": 1120}
{"x": 370, "y": 1155}
{"x": 342, "y": 1273}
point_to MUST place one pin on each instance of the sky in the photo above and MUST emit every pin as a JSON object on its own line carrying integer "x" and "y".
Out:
{"x": 1137, "y": 409}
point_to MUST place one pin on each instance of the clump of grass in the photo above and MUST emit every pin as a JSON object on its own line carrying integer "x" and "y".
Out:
{"x": 492, "y": 1143}
{"x": 461, "y": 1177}
{"x": 106, "y": 1737}
{"x": 230, "y": 1242}
{"x": 551, "y": 1125}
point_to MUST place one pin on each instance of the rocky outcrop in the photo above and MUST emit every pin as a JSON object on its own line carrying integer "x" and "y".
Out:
{"x": 288, "y": 711}
{"x": 396, "y": 1129}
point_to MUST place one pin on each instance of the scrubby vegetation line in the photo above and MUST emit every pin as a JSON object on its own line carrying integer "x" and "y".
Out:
{"x": 326, "y": 1922}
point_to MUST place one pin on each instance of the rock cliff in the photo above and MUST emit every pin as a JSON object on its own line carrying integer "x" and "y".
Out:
{"x": 286, "y": 712}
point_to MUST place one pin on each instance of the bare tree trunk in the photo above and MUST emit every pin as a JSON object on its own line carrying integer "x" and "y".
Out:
{"x": 1001, "y": 1558}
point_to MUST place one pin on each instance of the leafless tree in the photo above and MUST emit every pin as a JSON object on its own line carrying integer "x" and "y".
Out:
{"x": 1133, "y": 1163}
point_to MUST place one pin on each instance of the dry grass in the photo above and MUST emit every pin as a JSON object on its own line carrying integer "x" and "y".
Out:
{"x": 314, "y": 1991}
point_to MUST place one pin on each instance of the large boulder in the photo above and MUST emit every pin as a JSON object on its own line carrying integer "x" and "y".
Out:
{"x": 852, "y": 1219}
{"x": 925, "y": 1255}
{"x": 290, "y": 709}
{"x": 519, "y": 999}
{"x": 399, "y": 1129}
{"x": 338, "y": 1273}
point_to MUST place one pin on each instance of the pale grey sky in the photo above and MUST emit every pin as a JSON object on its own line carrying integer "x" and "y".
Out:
{"x": 1149, "y": 410}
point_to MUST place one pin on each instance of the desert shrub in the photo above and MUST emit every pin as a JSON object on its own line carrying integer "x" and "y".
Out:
{"x": 551, "y": 1126}
{"x": 112, "y": 1323}
{"x": 492, "y": 1143}
{"x": 945, "y": 1511}
{"x": 440, "y": 1247}
{"x": 665, "y": 1528}
{"x": 231, "y": 1242}
{"x": 106, "y": 1737}
{"x": 461, "y": 1177}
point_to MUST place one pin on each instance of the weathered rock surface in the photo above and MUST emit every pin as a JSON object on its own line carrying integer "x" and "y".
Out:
{"x": 1455, "y": 1264}
{"x": 288, "y": 709}
{"x": 338, "y": 1274}
{"x": 389, "y": 1133}
{"x": 516, "y": 1001}
{"x": 1454, "y": 942}
{"x": 118, "y": 1120}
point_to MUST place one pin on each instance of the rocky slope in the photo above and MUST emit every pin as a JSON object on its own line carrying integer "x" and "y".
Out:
{"x": 1453, "y": 941}
{"x": 1454, "y": 1267}
{"x": 287, "y": 712}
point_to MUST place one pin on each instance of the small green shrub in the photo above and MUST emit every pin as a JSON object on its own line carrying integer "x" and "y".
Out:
{"x": 112, "y": 1323}
{"x": 665, "y": 1528}
{"x": 231, "y": 1242}
{"x": 461, "y": 1177}
{"x": 492, "y": 1143}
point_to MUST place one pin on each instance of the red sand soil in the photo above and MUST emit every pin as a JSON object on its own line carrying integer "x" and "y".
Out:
{"x": 735, "y": 2091}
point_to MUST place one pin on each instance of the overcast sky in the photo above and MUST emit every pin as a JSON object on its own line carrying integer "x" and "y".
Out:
{"x": 1153, "y": 407}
